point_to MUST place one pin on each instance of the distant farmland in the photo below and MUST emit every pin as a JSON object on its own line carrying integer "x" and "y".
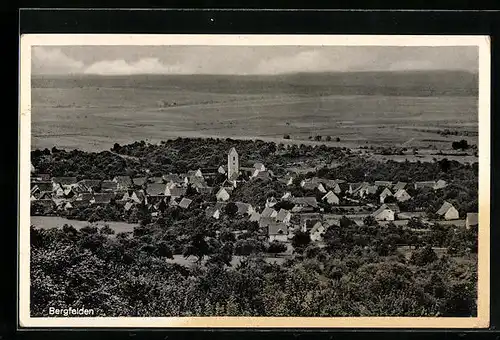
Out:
{"x": 399, "y": 108}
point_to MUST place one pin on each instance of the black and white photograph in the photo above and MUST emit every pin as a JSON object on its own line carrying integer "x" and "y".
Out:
{"x": 254, "y": 180}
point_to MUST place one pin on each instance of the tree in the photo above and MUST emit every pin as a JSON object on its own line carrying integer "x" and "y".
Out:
{"x": 461, "y": 145}
{"x": 318, "y": 138}
{"x": 390, "y": 199}
{"x": 197, "y": 246}
{"x": 370, "y": 221}
{"x": 231, "y": 209}
{"x": 276, "y": 247}
{"x": 328, "y": 138}
{"x": 301, "y": 239}
{"x": 286, "y": 136}
{"x": 337, "y": 139}
{"x": 423, "y": 256}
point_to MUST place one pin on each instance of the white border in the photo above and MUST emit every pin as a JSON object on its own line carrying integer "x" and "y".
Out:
{"x": 481, "y": 321}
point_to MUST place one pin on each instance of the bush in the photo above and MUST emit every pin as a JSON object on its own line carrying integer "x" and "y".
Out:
{"x": 423, "y": 256}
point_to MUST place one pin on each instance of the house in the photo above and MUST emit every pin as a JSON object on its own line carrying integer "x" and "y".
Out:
{"x": 259, "y": 167}
{"x": 287, "y": 195}
{"x": 385, "y": 184}
{"x": 185, "y": 203}
{"x": 175, "y": 192}
{"x": 139, "y": 181}
{"x": 80, "y": 203}
{"x": 399, "y": 185}
{"x": 426, "y": 184}
{"x": 138, "y": 196}
{"x": 156, "y": 189}
{"x": 64, "y": 181}
{"x": 194, "y": 173}
{"x": 221, "y": 170}
{"x": 212, "y": 212}
{"x": 174, "y": 179}
{"x": 331, "y": 198}
{"x": 205, "y": 190}
{"x": 45, "y": 195}
{"x": 123, "y": 182}
{"x": 384, "y": 213}
{"x": 440, "y": 184}
{"x": 402, "y": 196}
{"x": 394, "y": 207}
{"x": 304, "y": 202}
{"x": 254, "y": 217}
{"x": 277, "y": 232}
{"x": 269, "y": 212}
{"x": 384, "y": 194}
{"x": 271, "y": 202}
{"x": 448, "y": 211}
{"x": 283, "y": 216}
{"x": 316, "y": 232}
{"x": 109, "y": 186}
{"x": 471, "y": 220}
{"x": 128, "y": 206}
{"x": 244, "y": 208}
{"x": 354, "y": 187}
{"x": 222, "y": 194}
{"x": 156, "y": 179}
{"x": 102, "y": 198}
{"x": 367, "y": 190}
{"x": 47, "y": 203}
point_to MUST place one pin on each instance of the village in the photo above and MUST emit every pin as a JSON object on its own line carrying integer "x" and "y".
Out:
{"x": 326, "y": 203}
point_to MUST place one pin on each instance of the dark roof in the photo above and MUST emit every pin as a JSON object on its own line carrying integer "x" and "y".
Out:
{"x": 64, "y": 180}
{"x": 472, "y": 219}
{"x": 43, "y": 186}
{"x": 139, "y": 180}
{"x": 390, "y": 206}
{"x": 173, "y": 178}
{"x": 399, "y": 185}
{"x": 155, "y": 180}
{"x": 156, "y": 189}
{"x": 267, "y": 212}
{"x": 177, "y": 192}
{"x": 306, "y": 201}
{"x": 383, "y": 183}
{"x": 123, "y": 181}
{"x": 103, "y": 197}
{"x": 277, "y": 228}
{"x": 109, "y": 185}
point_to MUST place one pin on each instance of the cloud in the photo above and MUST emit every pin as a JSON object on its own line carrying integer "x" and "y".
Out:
{"x": 142, "y": 66}
{"x": 53, "y": 61}
{"x": 305, "y": 61}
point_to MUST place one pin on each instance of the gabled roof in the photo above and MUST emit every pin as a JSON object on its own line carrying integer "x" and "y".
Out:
{"x": 177, "y": 192}
{"x": 84, "y": 196}
{"x": 123, "y": 181}
{"x": 109, "y": 185}
{"x": 173, "y": 178}
{"x": 44, "y": 186}
{"x": 394, "y": 207}
{"x": 156, "y": 179}
{"x": 306, "y": 201}
{"x": 444, "y": 208}
{"x": 198, "y": 182}
{"x": 103, "y": 197}
{"x": 472, "y": 219}
{"x": 268, "y": 212}
{"x": 185, "y": 203}
{"x": 329, "y": 194}
{"x": 401, "y": 192}
{"x": 277, "y": 228}
{"x": 426, "y": 184}
{"x": 254, "y": 217}
{"x": 264, "y": 175}
{"x": 282, "y": 214}
{"x": 232, "y": 150}
{"x": 156, "y": 189}
{"x": 139, "y": 193}
{"x": 221, "y": 191}
{"x": 243, "y": 208}
{"x": 210, "y": 211}
{"x": 316, "y": 227}
{"x": 386, "y": 191}
{"x": 387, "y": 184}
{"x": 64, "y": 180}
{"x": 384, "y": 207}
{"x": 399, "y": 185}
{"x": 139, "y": 180}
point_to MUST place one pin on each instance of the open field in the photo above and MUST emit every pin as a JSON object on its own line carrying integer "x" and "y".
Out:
{"x": 93, "y": 114}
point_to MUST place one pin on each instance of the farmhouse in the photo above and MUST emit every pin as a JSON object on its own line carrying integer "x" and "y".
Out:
{"x": 277, "y": 232}
{"x": 91, "y": 185}
{"x": 139, "y": 181}
{"x": 283, "y": 216}
{"x": 109, "y": 186}
{"x": 399, "y": 185}
{"x": 440, "y": 184}
{"x": 316, "y": 232}
{"x": 64, "y": 181}
{"x": 384, "y": 194}
{"x": 102, "y": 198}
{"x": 427, "y": 184}
{"x": 174, "y": 179}
{"x": 385, "y": 184}
{"x": 448, "y": 211}
{"x": 124, "y": 182}
{"x": 244, "y": 208}
{"x": 471, "y": 220}
{"x": 222, "y": 194}
{"x": 331, "y": 198}
{"x": 156, "y": 189}
{"x": 264, "y": 176}
{"x": 384, "y": 213}
{"x": 185, "y": 203}
{"x": 271, "y": 202}
{"x": 304, "y": 202}
{"x": 212, "y": 212}
{"x": 367, "y": 190}
{"x": 402, "y": 196}
{"x": 155, "y": 179}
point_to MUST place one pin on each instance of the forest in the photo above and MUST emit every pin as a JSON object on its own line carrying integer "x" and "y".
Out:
{"x": 359, "y": 272}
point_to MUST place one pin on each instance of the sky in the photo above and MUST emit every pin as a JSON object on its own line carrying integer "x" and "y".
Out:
{"x": 246, "y": 60}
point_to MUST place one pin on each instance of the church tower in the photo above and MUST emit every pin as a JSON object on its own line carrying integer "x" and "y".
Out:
{"x": 233, "y": 169}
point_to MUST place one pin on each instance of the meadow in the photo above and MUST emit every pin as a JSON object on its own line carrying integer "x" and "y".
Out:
{"x": 93, "y": 113}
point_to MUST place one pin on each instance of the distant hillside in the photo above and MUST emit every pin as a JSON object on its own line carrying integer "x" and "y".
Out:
{"x": 403, "y": 83}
